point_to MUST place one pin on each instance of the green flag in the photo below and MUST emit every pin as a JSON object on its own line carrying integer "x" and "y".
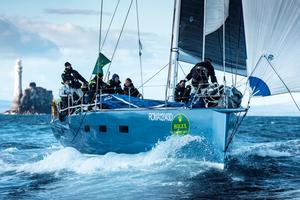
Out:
{"x": 101, "y": 62}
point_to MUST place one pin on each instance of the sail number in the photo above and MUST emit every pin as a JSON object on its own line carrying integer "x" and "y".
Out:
{"x": 160, "y": 116}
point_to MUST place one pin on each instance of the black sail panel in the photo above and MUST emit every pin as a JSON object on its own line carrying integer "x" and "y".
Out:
{"x": 191, "y": 36}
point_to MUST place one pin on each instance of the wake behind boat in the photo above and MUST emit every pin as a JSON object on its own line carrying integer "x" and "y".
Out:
{"x": 220, "y": 30}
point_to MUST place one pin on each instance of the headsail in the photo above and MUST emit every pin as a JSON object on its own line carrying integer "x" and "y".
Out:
{"x": 191, "y": 33}
{"x": 273, "y": 45}
{"x": 215, "y": 12}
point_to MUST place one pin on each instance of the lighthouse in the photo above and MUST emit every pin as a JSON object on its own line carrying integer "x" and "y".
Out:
{"x": 17, "y": 87}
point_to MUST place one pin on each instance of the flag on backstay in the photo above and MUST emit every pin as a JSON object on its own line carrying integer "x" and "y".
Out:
{"x": 101, "y": 62}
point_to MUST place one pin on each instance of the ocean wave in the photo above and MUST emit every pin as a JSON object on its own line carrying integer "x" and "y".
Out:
{"x": 270, "y": 149}
{"x": 4, "y": 166}
{"x": 11, "y": 149}
{"x": 163, "y": 156}
{"x": 272, "y": 153}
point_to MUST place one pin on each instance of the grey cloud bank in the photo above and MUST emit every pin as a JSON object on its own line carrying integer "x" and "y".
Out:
{"x": 16, "y": 41}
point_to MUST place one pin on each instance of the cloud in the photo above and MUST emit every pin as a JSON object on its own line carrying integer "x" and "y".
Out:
{"x": 68, "y": 11}
{"x": 79, "y": 41}
{"x": 79, "y": 45}
{"x": 16, "y": 41}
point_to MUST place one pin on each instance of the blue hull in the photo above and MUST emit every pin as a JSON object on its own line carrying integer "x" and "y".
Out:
{"x": 138, "y": 130}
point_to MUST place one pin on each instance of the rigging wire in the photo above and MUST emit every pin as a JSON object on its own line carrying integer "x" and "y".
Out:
{"x": 149, "y": 79}
{"x": 230, "y": 54}
{"x": 224, "y": 54}
{"x": 110, "y": 23}
{"x": 237, "y": 125}
{"x": 182, "y": 69}
{"x": 99, "y": 50}
{"x": 224, "y": 25}
{"x": 238, "y": 49}
{"x": 100, "y": 25}
{"x": 285, "y": 85}
{"x": 117, "y": 44}
{"x": 139, "y": 43}
{"x": 204, "y": 30}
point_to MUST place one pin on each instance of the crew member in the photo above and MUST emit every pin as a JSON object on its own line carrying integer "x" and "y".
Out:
{"x": 102, "y": 86}
{"x": 200, "y": 74}
{"x": 182, "y": 93}
{"x": 71, "y": 78}
{"x": 130, "y": 90}
{"x": 114, "y": 85}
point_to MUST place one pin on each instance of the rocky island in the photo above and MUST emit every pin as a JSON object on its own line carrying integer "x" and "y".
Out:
{"x": 35, "y": 100}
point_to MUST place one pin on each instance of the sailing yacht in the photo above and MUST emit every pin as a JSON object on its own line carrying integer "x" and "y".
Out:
{"x": 249, "y": 38}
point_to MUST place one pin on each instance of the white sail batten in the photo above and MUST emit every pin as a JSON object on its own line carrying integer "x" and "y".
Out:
{"x": 214, "y": 15}
{"x": 272, "y": 29}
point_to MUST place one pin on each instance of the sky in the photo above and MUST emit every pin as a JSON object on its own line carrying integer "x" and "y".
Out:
{"x": 46, "y": 34}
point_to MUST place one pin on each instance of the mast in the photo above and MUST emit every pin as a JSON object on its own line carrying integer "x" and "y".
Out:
{"x": 140, "y": 45}
{"x": 174, "y": 46}
{"x": 99, "y": 51}
{"x": 171, "y": 52}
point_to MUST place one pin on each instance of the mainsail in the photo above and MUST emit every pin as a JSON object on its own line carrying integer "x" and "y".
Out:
{"x": 262, "y": 40}
{"x": 273, "y": 45}
{"x": 190, "y": 39}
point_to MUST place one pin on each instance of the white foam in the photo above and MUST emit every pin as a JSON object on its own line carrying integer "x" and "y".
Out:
{"x": 218, "y": 166}
{"x": 160, "y": 157}
{"x": 4, "y": 166}
{"x": 270, "y": 149}
{"x": 238, "y": 179}
{"x": 272, "y": 153}
{"x": 11, "y": 149}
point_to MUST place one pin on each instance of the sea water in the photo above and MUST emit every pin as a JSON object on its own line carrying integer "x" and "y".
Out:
{"x": 263, "y": 163}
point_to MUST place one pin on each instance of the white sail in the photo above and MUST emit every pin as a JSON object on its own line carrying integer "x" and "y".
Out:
{"x": 272, "y": 28}
{"x": 215, "y": 14}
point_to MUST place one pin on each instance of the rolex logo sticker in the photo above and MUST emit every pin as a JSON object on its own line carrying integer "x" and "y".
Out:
{"x": 180, "y": 125}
